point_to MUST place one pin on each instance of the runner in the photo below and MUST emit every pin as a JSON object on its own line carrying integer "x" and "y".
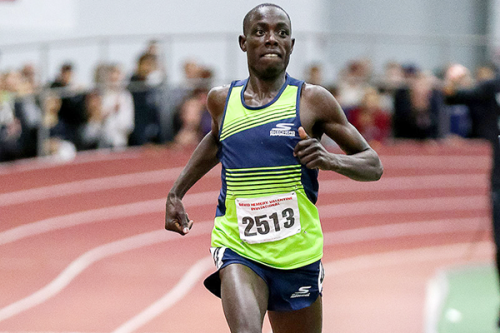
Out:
{"x": 267, "y": 241}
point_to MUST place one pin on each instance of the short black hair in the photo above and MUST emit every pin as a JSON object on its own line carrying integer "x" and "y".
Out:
{"x": 249, "y": 15}
{"x": 67, "y": 67}
{"x": 145, "y": 57}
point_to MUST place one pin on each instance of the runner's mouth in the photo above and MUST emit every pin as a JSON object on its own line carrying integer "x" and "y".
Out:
{"x": 271, "y": 55}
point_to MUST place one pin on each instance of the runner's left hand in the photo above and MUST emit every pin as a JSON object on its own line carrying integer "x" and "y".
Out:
{"x": 311, "y": 152}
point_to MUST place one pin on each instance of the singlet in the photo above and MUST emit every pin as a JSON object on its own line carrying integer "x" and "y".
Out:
{"x": 266, "y": 208}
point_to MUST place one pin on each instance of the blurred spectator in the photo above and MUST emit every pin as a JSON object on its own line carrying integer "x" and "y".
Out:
{"x": 146, "y": 104}
{"x": 93, "y": 130}
{"x": 111, "y": 113}
{"x": 459, "y": 116}
{"x": 189, "y": 119}
{"x": 72, "y": 113}
{"x": 10, "y": 126}
{"x": 483, "y": 121}
{"x": 389, "y": 83}
{"x": 158, "y": 75}
{"x": 56, "y": 145}
{"x": 30, "y": 74}
{"x": 28, "y": 111}
{"x": 172, "y": 99}
{"x": 314, "y": 74}
{"x": 100, "y": 75}
{"x": 417, "y": 108}
{"x": 485, "y": 73}
{"x": 192, "y": 75}
{"x": 352, "y": 86}
{"x": 370, "y": 119}
{"x": 118, "y": 108}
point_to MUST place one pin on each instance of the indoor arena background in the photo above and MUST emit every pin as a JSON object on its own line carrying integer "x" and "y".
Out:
{"x": 82, "y": 244}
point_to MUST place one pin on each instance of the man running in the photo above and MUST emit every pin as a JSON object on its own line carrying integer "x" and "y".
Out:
{"x": 267, "y": 241}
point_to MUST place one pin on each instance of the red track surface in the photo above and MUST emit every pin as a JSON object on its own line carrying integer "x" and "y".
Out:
{"x": 384, "y": 241}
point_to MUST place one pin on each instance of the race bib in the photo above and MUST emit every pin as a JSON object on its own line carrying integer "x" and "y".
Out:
{"x": 268, "y": 219}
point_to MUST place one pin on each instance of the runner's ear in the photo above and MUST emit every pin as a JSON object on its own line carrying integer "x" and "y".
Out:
{"x": 243, "y": 43}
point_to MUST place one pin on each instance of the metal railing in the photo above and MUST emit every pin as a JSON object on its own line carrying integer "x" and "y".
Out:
{"x": 334, "y": 49}
{"x": 331, "y": 49}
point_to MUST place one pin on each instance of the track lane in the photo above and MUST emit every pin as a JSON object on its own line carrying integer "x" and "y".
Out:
{"x": 338, "y": 223}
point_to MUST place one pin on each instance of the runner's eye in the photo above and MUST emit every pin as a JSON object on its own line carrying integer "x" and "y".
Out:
{"x": 283, "y": 33}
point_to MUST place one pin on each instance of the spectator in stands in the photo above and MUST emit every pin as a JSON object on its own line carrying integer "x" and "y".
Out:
{"x": 72, "y": 113}
{"x": 172, "y": 99}
{"x": 417, "y": 107}
{"x": 314, "y": 74}
{"x": 459, "y": 116}
{"x": 189, "y": 119}
{"x": 29, "y": 72}
{"x": 485, "y": 73}
{"x": 100, "y": 75}
{"x": 192, "y": 74}
{"x": 391, "y": 80}
{"x": 480, "y": 120}
{"x": 352, "y": 85}
{"x": 56, "y": 145}
{"x": 29, "y": 113}
{"x": 146, "y": 104}
{"x": 370, "y": 119}
{"x": 93, "y": 131}
{"x": 110, "y": 112}
{"x": 10, "y": 126}
{"x": 158, "y": 74}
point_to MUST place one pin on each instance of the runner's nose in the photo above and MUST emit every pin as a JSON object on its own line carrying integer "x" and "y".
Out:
{"x": 271, "y": 39}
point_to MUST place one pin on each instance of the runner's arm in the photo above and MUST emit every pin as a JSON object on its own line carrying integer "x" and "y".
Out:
{"x": 321, "y": 114}
{"x": 203, "y": 159}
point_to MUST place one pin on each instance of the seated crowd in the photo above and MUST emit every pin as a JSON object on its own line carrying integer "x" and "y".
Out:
{"x": 62, "y": 118}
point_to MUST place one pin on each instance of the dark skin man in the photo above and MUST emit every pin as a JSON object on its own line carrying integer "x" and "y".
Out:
{"x": 268, "y": 43}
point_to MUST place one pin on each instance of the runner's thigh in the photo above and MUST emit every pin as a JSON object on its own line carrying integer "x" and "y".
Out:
{"x": 307, "y": 320}
{"x": 244, "y": 298}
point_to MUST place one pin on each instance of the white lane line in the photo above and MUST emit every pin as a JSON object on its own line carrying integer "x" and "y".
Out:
{"x": 444, "y": 226}
{"x": 435, "y": 295}
{"x": 478, "y": 180}
{"x": 405, "y": 257}
{"x": 181, "y": 289}
{"x": 209, "y": 198}
{"x": 74, "y": 219}
{"x": 443, "y": 162}
{"x": 90, "y": 185}
{"x": 134, "y": 242}
{"x": 401, "y": 257}
{"x": 427, "y": 205}
{"x": 331, "y": 238}
{"x": 165, "y": 175}
{"x": 41, "y": 163}
{"x": 85, "y": 260}
{"x": 455, "y": 162}
{"x": 100, "y": 214}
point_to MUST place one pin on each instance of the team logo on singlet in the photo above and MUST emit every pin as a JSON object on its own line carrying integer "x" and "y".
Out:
{"x": 283, "y": 129}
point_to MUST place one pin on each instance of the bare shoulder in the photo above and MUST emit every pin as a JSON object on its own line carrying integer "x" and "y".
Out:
{"x": 313, "y": 91}
{"x": 319, "y": 99}
{"x": 216, "y": 100}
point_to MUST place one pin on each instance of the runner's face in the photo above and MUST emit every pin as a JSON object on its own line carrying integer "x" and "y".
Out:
{"x": 268, "y": 42}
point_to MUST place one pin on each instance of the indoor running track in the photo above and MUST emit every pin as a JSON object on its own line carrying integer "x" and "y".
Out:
{"x": 82, "y": 245}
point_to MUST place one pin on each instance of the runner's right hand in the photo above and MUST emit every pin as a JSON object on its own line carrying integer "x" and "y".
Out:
{"x": 176, "y": 218}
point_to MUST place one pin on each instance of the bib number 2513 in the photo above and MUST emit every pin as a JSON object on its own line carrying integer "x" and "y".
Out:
{"x": 269, "y": 218}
